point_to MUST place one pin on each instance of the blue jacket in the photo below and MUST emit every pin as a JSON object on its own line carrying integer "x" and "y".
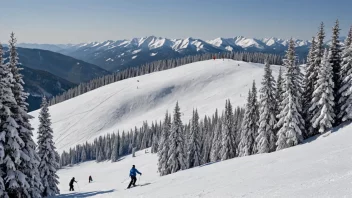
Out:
{"x": 133, "y": 172}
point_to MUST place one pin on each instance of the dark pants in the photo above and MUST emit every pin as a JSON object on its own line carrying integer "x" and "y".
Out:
{"x": 133, "y": 181}
{"x": 71, "y": 188}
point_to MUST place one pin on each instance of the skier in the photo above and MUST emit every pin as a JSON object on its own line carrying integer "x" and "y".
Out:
{"x": 90, "y": 179}
{"x": 133, "y": 173}
{"x": 71, "y": 184}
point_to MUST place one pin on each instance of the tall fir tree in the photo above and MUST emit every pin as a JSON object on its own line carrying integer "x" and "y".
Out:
{"x": 193, "y": 148}
{"x": 249, "y": 131}
{"x": 266, "y": 138}
{"x": 323, "y": 96}
{"x": 177, "y": 158}
{"x": 319, "y": 48}
{"x": 228, "y": 145}
{"x": 290, "y": 123}
{"x": 280, "y": 89}
{"x": 47, "y": 153}
{"x": 30, "y": 162}
{"x": 335, "y": 61}
{"x": 115, "y": 149}
{"x": 345, "y": 102}
{"x": 310, "y": 80}
{"x": 14, "y": 150}
{"x": 164, "y": 146}
{"x": 217, "y": 141}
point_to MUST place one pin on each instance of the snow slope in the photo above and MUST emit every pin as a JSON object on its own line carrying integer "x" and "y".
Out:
{"x": 204, "y": 85}
{"x": 320, "y": 168}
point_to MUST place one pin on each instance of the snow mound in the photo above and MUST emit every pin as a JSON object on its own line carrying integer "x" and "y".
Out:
{"x": 320, "y": 168}
{"x": 121, "y": 106}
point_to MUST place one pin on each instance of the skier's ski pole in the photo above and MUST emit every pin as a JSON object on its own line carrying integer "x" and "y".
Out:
{"x": 125, "y": 179}
{"x": 139, "y": 179}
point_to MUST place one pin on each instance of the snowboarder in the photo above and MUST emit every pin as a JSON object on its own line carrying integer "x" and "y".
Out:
{"x": 90, "y": 179}
{"x": 133, "y": 173}
{"x": 71, "y": 184}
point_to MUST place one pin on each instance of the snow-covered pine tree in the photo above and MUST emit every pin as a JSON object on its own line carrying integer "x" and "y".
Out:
{"x": 107, "y": 149}
{"x": 122, "y": 144}
{"x": 164, "y": 144}
{"x": 47, "y": 153}
{"x": 177, "y": 159}
{"x": 217, "y": 141}
{"x": 280, "y": 89}
{"x": 319, "y": 47}
{"x": 11, "y": 143}
{"x": 115, "y": 149}
{"x": 310, "y": 78}
{"x": 30, "y": 161}
{"x": 290, "y": 122}
{"x": 228, "y": 146}
{"x": 193, "y": 148}
{"x": 335, "y": 61}
{"x": 266, "y": 138}
{"x": 323, "y": 96}
{"x": 155, "y": 144}
{"x": 249, "y": 131}
{"x": 207, "y": 141}
{"x": 345, "y": 101}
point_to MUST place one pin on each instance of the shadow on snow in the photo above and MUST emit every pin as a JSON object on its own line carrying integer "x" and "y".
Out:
{"x": 84, "y": 194}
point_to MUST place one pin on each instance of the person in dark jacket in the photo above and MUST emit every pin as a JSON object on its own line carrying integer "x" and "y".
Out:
{"x": 133, "y": 173}
{"x": 71, "y": 184}
{"x": 90, "y": 178}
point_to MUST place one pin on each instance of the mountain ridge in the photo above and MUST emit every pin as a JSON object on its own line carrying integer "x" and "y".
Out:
{"x": 115, "y": 55}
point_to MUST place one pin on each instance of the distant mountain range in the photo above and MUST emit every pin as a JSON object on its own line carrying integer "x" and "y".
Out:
{"x": 117, "y": 55}
{"x": 50, "y": 73}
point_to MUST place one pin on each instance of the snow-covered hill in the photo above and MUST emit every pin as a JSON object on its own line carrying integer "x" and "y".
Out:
{"x": 125, "y": 104}
{"x": 320, "y": 168}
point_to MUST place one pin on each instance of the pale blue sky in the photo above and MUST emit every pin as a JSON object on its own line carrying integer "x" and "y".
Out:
{"x": 75, "y": 21}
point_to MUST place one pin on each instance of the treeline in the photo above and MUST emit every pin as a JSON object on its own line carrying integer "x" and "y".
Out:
{"x": 116, "y": 145}
{"x": 160, "y": 66}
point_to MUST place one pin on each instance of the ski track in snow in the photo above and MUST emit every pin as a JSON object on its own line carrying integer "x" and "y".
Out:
{"x": 320, "y": 168}
{"x": 204, "y": 85}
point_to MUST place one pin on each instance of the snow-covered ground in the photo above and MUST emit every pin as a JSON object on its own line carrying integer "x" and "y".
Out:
{"x": 122, "y": 105}
{"x": 320, "y": 168}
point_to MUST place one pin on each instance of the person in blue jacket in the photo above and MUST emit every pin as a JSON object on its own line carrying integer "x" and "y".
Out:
{"x": 133, "y": 173}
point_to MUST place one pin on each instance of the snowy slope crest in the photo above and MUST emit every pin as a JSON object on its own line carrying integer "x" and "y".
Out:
{"x": 125, "y": 104}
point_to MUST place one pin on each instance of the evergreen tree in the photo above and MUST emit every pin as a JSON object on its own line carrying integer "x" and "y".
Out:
{"x": 47, "y": 152}
{"x": 217, "y": 140}
{"x": 280, "y": 89}
{"x": 345, "y": 101}
{"x": 310, "y": 80}
{"x": 335, "y": 61}
{"x": 319, "y": 49}
{"x": 177, "y": 159}
{"x": 164, "y": 144}
{"x": 193, "y": 153}
{"x": 115, "y": 149}
{"x": 249, "y": 132}
{"x": 290, "y": 122}
{"x": 11, "y": 143}
{"x": 323, "y": 96}
{"x": 266, "y": 138}
{"x": 228, "y": 145}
